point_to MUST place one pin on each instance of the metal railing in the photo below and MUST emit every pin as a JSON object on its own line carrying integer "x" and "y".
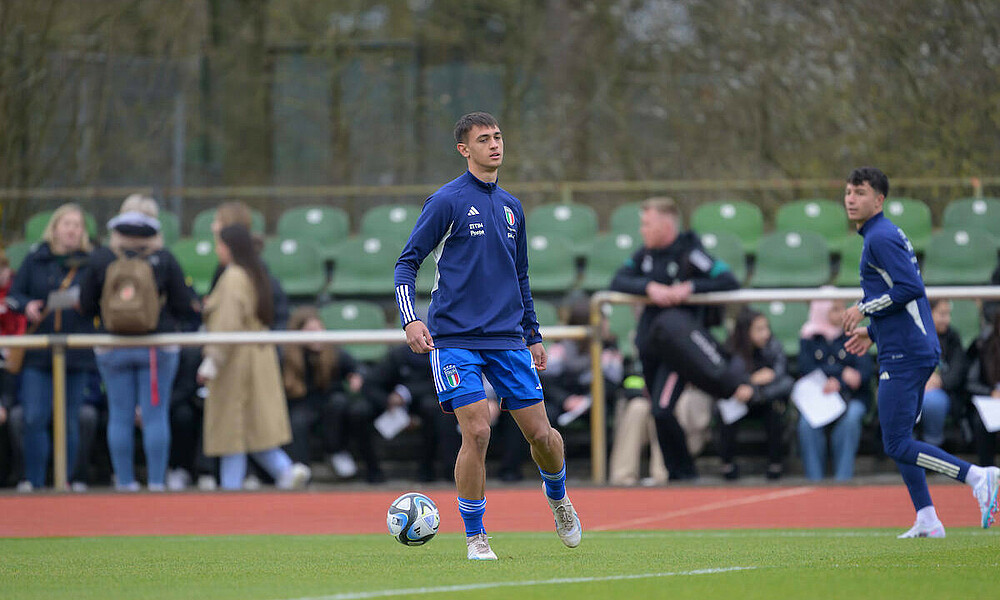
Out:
{"x": 60, "y": 343}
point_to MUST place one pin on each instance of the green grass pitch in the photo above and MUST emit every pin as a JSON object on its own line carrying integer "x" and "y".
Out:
{"x": 742, "y": 565}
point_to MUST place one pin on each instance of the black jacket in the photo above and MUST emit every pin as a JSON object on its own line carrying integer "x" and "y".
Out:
{"x": 683, "y": 260}
{"x": 954, "y": 362}
{"x": 400, "y": 366}
{"x": 42, "y": 272}
{"x": 771, "y": 356}
{"x": 831, "y": 358}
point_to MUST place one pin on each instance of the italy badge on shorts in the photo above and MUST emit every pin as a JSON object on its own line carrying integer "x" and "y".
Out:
{"x": 450, "y": 373}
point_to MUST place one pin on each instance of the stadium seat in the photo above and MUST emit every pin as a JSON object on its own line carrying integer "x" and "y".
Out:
{"x": 625, "y": 218}
{"x": 16, "y": 252}
{"x": 364, "y": 266}
{"x": 551, "y": 263}
{"x": 728, "y": 248}
{"x": 791, "y": 259}
{"x": 966, "y": 319}
{"x": 198, "y": 261}
{"x": 742, "y": 219}
{"x": 352, "y": 315}
{"x": 974, "y": 213}
{"x": 546, "y": 312}
{"x": 297, "y": 264}
{"x": 170, "y": 227}
{"x": 35, "y": 226}
{"x": 322, "y": 226}
{"x": 623, "y": 321}
{"x": 390, "y": 222}
{"x": 849, "y": 273}
{"x": 825, "y": 217}
{"x": 607, "y": 254}
{"x": 575, "y": 222}
{"x": 959, "y": 257}
{"x": 913, "y": 217}
{"x": 201, "y": 227}
{"x": 786, "y": 319}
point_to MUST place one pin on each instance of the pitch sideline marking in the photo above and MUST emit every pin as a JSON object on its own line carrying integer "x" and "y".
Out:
{"x": 706, "y": 507}
{"x": 500, "y": 584}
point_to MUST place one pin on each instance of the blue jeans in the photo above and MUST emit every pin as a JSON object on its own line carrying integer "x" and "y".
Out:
{"x": 933, "y": 415}
{"x": 844, "y": 439}
{"x": 36, "y": 398}
{"x": 127, "y": 379}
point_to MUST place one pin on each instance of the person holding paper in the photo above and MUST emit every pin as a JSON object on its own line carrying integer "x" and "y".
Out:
{"x": 983, "y": 384}
{"x": 761, "y": 356}
{"x": 943, "y": 390}
{"x": 821, "y": 347}
{"x": 908, "y": 352}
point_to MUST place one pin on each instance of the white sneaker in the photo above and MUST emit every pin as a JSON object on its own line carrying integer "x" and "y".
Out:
{"x": 295, "y": 478}
{"x": 986, "y": 495}
{"x": 156, "y": 487}
{"x": 178, "y": 479}
{"x": 78, "y": 487}
{"x": 251, "y": 482}
{"x": 479, "y": 547}
{"x": 130, "y": 487}
{"x": 920, "y": 530}
{"x": 25, "y": 487}
{"x": 343, "y": 465}
{"x": 207, "y": 483}
{"x": 568, "y": 524}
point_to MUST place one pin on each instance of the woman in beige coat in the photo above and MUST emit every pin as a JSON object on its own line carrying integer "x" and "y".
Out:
{"x": 245, "y": 412}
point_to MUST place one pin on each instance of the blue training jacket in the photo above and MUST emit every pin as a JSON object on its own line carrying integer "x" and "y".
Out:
{"x": 894, "y": 298}
{"x": 481, "y": 298}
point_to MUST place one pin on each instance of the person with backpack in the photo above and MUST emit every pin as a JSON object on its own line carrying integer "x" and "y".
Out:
{"x": 137, "y": 287}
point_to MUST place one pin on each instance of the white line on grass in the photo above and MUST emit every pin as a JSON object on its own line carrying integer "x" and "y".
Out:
{"x": 502, "y": 584}
{"x": 798, "y": 491}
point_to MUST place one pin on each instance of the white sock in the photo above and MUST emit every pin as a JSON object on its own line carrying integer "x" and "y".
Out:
{"x": 975, "y": 475}
{"x": 927, "y": 515}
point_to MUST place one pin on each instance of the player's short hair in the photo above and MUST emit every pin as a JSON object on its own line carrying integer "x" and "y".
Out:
{"x": 473, "y": 119}
{"x": 875, "y": 178}
{"x": 661, "y": 204}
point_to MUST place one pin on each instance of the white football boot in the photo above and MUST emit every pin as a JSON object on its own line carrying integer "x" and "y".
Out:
{"x": 479, "y": 547}
{"x": 921, "y": 530}
{"x": 568, "y": 525}
{"x": 986, "y": 495}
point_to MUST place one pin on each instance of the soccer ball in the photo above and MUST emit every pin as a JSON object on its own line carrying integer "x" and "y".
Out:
{"x": 413, "y": 519}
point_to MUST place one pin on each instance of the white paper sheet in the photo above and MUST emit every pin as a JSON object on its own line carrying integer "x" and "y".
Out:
{"x": 392, "y": 421}
{"x": 817, "y": 408}
{"x": 731, "y": 410}
{"x": 569, "y": 416}
{"x": 989, "y": 412}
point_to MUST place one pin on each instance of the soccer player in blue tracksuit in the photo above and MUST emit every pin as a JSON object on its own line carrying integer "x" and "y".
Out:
{"x": 908, "y": 352}
{"x": 481, "y": 321}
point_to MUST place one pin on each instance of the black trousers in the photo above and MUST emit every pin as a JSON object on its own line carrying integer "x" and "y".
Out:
{"x": 773, "y": 414}
{"x": 678, "y": 350}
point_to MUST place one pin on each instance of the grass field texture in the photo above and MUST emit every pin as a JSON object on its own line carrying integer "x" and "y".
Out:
{"x": 739, "y": 564}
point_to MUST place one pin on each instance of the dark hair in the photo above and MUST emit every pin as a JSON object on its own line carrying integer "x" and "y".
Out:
{"x": 237, "y": 238}
{"x": 875, "y": 178}
{"x": 935, "y": 302}
{"x": 473, "y": 119}
{"x": 740, "y": 343}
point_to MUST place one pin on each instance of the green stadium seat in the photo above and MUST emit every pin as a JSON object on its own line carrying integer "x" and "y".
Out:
{"x": 546, "y": 312}
{"x": 390, "y": 222}
{"x": 551, "y": 263}
{"x": 364, "y": 266}
{"x": 625, "y": 218}
{"x": 849, "y": 273}
{"x": 913, "y": 217}
{"x": 353, "y": 315}
{"x": 786, "y": 319}
{"x": 322, "y": 226}
{"x": 959, "y": 257}
{"x": 198, "y": 261}
{"x": 791, "y": 259}
{"x": 623, "y": 320}
{"x": 201, "y": 227}
{"x": 575, "y": 222}
{"x": 728, "y": 248}
{"x": 974, "y": 213}
{"x": 170, "y": 227}
{"x": 966, "y": 319}
{"x": 16, "y": 252}
{"x": 606, "y": 256}
{"x": 297, "y": 264}
{"x": 825, "y": 217}
{"x": 742, "y": 219}
{"x": 35, "y": 226}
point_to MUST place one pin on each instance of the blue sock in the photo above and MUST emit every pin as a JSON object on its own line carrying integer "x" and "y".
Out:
{"x": 472, "y": 513}
{"x": 555, "y": 483}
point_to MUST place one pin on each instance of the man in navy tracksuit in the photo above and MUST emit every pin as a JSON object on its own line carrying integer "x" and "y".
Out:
{"x": 908, "y": 352}
{"x": 481, "y": 321}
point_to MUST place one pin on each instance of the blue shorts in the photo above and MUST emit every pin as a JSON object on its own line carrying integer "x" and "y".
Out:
{"x": 458, "y": 377}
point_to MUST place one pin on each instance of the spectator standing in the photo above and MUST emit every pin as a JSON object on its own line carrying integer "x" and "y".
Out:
{"x": 52, "y": 272}
{"x": 138, "y": 377}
